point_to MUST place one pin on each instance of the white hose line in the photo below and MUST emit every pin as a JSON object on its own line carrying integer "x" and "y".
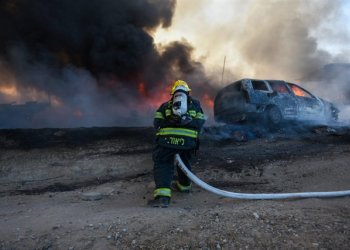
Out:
{"x": 228, "y": 194}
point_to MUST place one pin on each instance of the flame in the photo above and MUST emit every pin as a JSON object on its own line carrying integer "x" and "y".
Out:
{"x": 10, "y": 91}
{"x": 154, "y": 98}
{"x": 160, "y": 97}
{"x": 208, "y": 101}
{"x": 297, "y": 91}
{"x": 142, "y": 89}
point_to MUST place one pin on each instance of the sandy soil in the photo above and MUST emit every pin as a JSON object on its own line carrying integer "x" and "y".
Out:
{"x": 38, "y": 211}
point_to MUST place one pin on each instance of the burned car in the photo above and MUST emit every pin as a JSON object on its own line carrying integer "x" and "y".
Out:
{"x": 272, "y": 102}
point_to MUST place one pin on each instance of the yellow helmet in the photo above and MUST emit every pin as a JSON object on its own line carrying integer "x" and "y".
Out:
{"x": 180, "y": 85}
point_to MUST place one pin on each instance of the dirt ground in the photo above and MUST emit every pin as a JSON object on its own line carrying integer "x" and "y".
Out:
{"x": 46, "y": 177}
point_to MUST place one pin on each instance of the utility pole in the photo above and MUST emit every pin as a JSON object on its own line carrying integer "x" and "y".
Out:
{"x": 223, "y": 71}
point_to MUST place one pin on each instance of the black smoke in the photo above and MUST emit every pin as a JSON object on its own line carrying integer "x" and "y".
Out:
{"x": 95, "y": 60}
{"x": 100, "y": 36}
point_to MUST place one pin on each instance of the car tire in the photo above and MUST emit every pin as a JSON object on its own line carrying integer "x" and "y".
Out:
{"x": 273, "y": 117}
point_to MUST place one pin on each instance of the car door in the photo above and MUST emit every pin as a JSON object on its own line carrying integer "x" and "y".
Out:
{"x": 309, "y": 107}
{"x": 284, "y": 99}
{"x": 257, "y": 90}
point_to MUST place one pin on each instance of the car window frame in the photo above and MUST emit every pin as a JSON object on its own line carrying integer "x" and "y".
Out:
{"x": 269, "y": 89}
{"x": 289, "y": 91}
{"x": 308, "y": 92}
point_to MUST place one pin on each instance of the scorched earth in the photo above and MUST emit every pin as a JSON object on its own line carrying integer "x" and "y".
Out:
{"x": 88, "y": 189}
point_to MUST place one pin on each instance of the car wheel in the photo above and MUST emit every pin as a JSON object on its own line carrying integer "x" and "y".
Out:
{"x": 274, "y": 117}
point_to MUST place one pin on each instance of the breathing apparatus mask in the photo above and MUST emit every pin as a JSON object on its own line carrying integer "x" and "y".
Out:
{"x": 180, "y": 103}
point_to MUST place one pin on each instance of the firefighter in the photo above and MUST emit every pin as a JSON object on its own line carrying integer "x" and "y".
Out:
{"x": 178, "y": 123}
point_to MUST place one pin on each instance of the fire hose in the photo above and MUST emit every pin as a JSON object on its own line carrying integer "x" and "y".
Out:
{"x": 268, "y": 196}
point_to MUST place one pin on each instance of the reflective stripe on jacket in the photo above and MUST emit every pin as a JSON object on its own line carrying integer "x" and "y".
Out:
{"x": 178, "y": 131}
{"x": 178, "y": 136}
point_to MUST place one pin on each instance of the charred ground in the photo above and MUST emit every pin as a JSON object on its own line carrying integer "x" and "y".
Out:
{"x": 45, "y": 174}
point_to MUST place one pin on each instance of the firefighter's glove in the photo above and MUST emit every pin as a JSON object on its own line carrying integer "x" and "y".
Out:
{"x": 174, "y": 119}
{"x": 185, "y": 119}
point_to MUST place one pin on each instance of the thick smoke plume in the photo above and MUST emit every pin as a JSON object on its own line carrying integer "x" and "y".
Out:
{"x": 332, "y": 82}
{"x": 288, "y": 45}
{"x": 97, "y": 64}
{"x": 94, "y": 61}
{"x": 278, "y": 36}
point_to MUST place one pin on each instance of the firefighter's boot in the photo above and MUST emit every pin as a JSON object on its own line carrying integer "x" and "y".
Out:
{"x": 160, "y": 201}
{"x": 161, "y": 197}
{"x": 176, "y": 186}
